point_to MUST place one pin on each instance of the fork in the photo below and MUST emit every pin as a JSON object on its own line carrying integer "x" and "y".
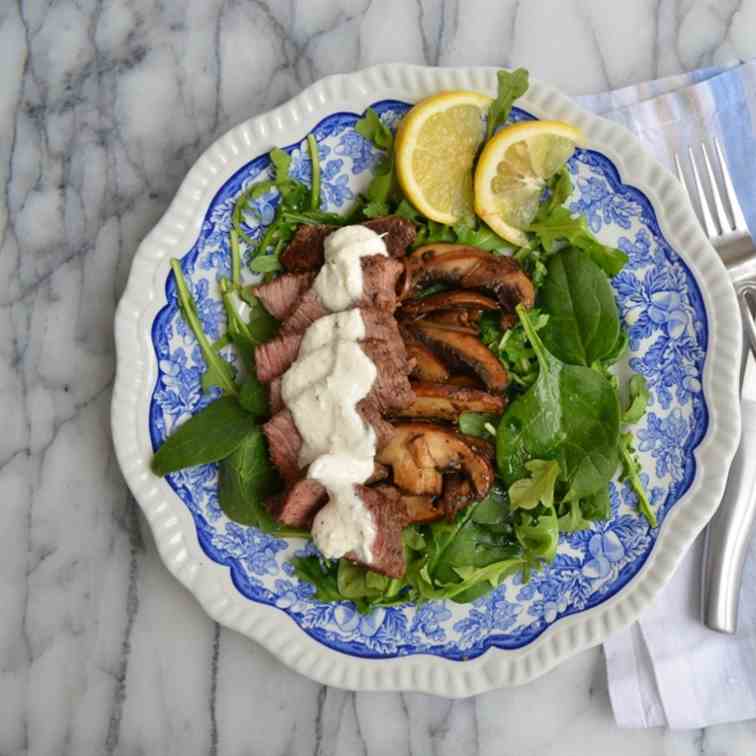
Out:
{"x": 729, "y": 532}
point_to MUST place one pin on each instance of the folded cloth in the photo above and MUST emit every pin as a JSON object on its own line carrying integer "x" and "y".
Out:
{"x": 668, "y": 668}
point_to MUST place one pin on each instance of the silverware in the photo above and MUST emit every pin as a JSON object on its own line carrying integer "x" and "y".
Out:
{"x": 729, "y": 533}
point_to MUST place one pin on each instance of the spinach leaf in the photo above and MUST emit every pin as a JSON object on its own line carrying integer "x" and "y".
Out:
{"x": 247, "y": 477}
{"x": 571, "y": 414}
{"x": 480, "y": 424}
{"x": 218, "y": 370}
{"x": 528, "y": 493}
{"x": 511, "y": 85}
{"x": 584, "y": 324}
{"x": 253, "y": 397}
{"x": 481, "y": 536}
{"x": 322, "y": 574}
{"x": 560, "y": 224}
{"x": 209, "y": 436}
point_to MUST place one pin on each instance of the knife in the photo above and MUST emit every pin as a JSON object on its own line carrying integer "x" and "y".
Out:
{"x": 729, "y": 533}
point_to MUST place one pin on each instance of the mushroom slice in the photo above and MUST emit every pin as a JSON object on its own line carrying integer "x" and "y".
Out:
{"x": 464, "y": 320}
{"x": 469, "y": 268}
{"x": 465, "y": 349}
{"x": 427, "y": 365}
{"x": 444, "y": 402}
{"x": 420, "y": 452}
{"x": 421, "y": 508}
{"x": 447, "y": 300}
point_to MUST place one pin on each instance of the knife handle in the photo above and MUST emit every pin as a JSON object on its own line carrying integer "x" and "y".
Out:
{"x": 729, "y": 536}
{"x": 729, "y": 533}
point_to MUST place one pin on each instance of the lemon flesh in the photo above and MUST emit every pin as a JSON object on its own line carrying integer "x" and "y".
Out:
{"x": 513, "y": 171}
{"x": 436, "y": 146}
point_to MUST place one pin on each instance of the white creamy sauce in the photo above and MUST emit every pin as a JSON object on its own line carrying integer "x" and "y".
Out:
{"x": 322, "y": 389}
{"x": 339, "y": 282}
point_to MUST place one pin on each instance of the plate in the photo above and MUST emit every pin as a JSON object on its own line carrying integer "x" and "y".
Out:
{"x": 675, "y": 298}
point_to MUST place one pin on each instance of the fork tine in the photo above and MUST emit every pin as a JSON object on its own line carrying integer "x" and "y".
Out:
{"x": 722, "y": 217}
{"x": 732, "y": 197}
{"x": 708, "y": 220}
{"x": 680, "y": 175}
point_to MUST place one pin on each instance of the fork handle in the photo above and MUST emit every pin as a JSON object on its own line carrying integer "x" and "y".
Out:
{"x": 729, "y": 533}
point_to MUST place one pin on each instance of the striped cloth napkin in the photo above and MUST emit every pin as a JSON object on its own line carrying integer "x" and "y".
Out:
{"x": 668, "y": 669}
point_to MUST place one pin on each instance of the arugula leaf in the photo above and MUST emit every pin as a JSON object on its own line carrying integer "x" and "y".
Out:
{"x": 631, "y": 471}
{"x": 315, "y": 160}
{"x": 265, "y": 264}
{"x": 528, "y": 493}
{"x": 480, "y": 424}
{"x": 219, "y": 370}
{"x": 475, "y": 234}
{"x": 247, "y": 478}
{"x": 559, "y": 189}
{"x": 511, "y": 85}
{"x": 570, "y": 413}
{"x": 383, "y": 185}
{"x": 560, "y": 224}
{"x": 209, "y": 436}
{"x": 584, "y": 324}
{"x": 512, "y": 347}
{"x": 538, "y": 534}
{"x": 638, "y": 400}
{"x": 375, "y": 209}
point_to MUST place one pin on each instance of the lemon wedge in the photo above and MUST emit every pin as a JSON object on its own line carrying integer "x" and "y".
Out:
{"x": 435, "y": 148}
{"x": 513, "y": 170}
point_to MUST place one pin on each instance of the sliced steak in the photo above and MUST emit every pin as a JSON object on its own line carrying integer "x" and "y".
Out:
{"x": 379, "y": 279}
{"x": 274, "y": 396}
{"x": 285, "y": 443}
{"x": 305, "y": 251}
{"x": 274, "y": 358}
{"x": 299, "y": 503}
{"x": 281, "y": 295}
{"x": 389, "y": 515}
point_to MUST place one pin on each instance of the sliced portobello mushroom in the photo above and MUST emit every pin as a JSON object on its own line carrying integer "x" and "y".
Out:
{"x": 427, "y": 366}
{"x": 469, "y": 268}
{"x": 446, "y": 402}
{"x": 458, "y": 299}
{"x": 464, "y": 349}
{"x": 419, "y": 454}
{"x": 421, "y": 508}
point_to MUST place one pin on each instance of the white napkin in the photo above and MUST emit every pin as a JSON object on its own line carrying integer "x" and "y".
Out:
{"x": 668, "y": 668}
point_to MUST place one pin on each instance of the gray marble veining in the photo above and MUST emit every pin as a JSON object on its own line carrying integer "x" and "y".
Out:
{"x": 104, "y": 105}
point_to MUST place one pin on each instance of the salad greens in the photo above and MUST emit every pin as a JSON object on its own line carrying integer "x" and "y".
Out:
{"x": 559, "y": 443}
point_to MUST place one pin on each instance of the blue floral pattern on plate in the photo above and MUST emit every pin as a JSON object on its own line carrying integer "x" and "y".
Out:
{"x": 662, "y": 308}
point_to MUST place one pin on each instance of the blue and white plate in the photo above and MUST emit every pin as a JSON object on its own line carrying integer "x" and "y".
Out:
{"x": 680, "y": 311}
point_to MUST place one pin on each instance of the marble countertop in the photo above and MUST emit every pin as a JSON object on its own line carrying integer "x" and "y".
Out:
{"x": 103, "y": 108}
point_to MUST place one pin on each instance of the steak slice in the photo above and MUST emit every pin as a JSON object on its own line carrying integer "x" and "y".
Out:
{"x": 281, "y": 295}
{"x": 299, "y": 503}
{"x": 285, "y": 442}
{"x": 305, "y": 251}
{"x": 274, "y": 396}
{"x": 389, "y": 515}
{"x": 379, "y": 280}
{"x": 274, "y": 358}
